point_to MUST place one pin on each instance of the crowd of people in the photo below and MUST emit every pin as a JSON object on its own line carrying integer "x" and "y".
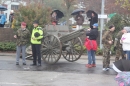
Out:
{"x": 121, "y": 46}
{"x": 121, "y": 42}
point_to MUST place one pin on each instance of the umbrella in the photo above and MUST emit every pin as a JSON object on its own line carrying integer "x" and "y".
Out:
{"x": 77, "y": 11}
{"x": 3, "y": 8}
{"x": 123, "y": 78}
{"x": 121, "y": 65}
{"x": 89, "y": 13}
{"x": 58, "y": 12}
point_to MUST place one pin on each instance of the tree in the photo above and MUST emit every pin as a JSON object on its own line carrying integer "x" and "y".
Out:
{"x": 116, "y": 21}
{"x": 124, "y": 4}
{"x": 68, "y": 4}
{"x": 32, "y": 12}
{"x": 119, "y": 21}
{"x": 94, "y": 5}
{"x": 112, "y": 6}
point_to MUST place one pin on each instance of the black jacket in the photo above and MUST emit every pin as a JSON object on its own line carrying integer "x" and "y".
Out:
{"x": 11, "y": 16}
{"x": 93, "y": 20}
{"x": 79, "y": 21}
{"x": 93, "y": 34}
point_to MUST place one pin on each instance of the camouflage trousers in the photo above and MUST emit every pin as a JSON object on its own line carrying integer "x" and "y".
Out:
{"x": 106, "y": 57}
{"x": 119, "y": 53}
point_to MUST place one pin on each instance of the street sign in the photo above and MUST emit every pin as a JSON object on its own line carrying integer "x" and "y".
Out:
{"x": 102, "y": 16}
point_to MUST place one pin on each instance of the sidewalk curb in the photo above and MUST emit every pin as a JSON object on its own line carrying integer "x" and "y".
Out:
{"x": 7, "y": 54}
{"x": 82, "y": 57}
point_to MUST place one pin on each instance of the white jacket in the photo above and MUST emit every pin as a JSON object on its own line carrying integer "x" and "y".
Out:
{"x": 125, "y": 41}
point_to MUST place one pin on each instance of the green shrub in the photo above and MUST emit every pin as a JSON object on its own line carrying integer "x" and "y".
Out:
{"x": 7, "y": 46}
{"x": 78, "y": 48}
{"x": 99, "y": 52}
{"x": 31, "y": 12}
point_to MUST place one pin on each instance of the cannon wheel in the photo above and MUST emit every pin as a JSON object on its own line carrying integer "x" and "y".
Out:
{"x": 51, "y": 49}
{"x": 74, "y": 50}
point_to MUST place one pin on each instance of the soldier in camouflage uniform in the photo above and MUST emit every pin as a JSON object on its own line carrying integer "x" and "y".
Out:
{"x": 118, "y": 46}
{"x": 23, "y": 37}
{"x": 107, "y": 43}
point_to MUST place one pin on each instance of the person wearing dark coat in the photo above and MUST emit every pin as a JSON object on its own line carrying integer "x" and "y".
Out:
{"x": 91, "y": 45}
{"x": 79, "y": 21}
{"x": 11, "y": 17}
{"x": 93, "y": 20}
{"x": 54, "y": 18}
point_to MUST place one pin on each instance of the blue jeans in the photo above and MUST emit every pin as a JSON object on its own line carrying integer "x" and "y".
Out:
{"x": 91, "y": 56}
{"x": 128, "y": 55}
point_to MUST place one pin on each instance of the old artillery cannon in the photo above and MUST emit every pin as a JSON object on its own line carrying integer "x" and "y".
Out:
{"x": 68, "y": 45}
{"x": 60, "y": 42}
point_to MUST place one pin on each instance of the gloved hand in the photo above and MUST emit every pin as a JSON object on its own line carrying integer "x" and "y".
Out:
{"x": 115, "y": 48}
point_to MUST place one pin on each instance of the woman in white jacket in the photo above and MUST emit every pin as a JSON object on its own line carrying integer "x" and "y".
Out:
{"x": 125, "y": 41}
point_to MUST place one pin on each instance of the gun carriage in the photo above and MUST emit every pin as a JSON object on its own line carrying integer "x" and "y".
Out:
{"x": 59, "y": 42}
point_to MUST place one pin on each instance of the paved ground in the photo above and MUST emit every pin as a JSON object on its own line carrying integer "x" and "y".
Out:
{"x": 61, "y": 74}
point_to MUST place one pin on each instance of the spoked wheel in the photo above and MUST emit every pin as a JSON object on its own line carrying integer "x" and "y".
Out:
{"x": 73, "y": 50}
{"x": 51, "y": 49}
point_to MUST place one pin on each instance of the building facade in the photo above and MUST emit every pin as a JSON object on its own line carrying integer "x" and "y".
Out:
{"x": 12, "y": 5}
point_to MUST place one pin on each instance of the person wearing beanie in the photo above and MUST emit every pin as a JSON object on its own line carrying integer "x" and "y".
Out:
{"x": 91, "y": 45}
{"x": 125, "y": 41}
{"x": 37, "y": 35}
{"x": 107, "y": 41}
{"x": 22, "y": 35}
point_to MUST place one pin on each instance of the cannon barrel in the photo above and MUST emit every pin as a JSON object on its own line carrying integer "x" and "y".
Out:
{"x": 71, "y": 35}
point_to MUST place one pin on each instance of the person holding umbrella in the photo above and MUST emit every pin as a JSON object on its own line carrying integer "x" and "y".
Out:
{"x": 55, "y": 15}
{"x": 54, "y": 18}
{"x": 79, "y": 20}
{"x": 93, "y": 19}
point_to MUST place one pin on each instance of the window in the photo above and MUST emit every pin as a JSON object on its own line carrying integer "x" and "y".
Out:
{"x": 14, "y": 7}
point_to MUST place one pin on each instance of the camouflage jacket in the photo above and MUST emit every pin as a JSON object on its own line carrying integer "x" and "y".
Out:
{"x": 117, "y": 40}
{"x": 107, "y": 36}
{"x": 23, "y": 36}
